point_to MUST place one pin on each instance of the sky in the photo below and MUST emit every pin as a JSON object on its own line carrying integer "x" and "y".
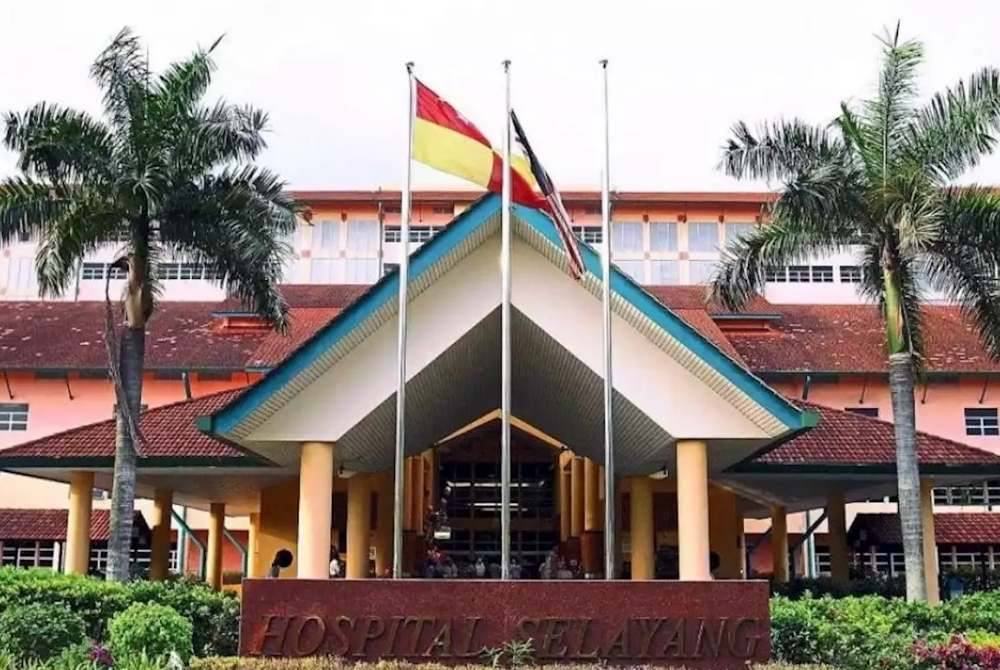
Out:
{"x": 331, "y": 74}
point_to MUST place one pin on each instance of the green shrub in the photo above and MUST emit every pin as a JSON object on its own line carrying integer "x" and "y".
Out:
{"x": 40, "y": 630}
{"x": 152, "y": 630}
{"x": 214, "y": 616}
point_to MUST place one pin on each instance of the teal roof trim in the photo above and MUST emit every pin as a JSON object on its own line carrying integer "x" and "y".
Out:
{"x": 386, "y": 289}
{"x": 624, "y": 286}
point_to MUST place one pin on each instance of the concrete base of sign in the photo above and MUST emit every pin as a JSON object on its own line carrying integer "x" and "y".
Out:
{"x": 716, "y": 624}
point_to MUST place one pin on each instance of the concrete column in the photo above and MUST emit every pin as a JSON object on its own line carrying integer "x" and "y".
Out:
{"x": 419, "y": 495}
{"x": 724, "y": 527}
{"x": 216, "y": 524}
{"x": 565, "y": 495}
{"x": 316, "y": 473}
{"x": 641, "y": 532}
{"x": 836, "y": 519}
{"x": 159, "y": 555}
{"x": 692, "y": 510}
{"x": 576, "y": 495}
{"x": 930, "y": 542}
{"x": 253, "y": 547}
{"x": 592, "y": 516}
{"x": 408, "y": 494}
{"x": 358, "y": 525}
{"x": 383, "y": 523}
{"x": 81, "y": 496}
{"x": 779, "y": 544}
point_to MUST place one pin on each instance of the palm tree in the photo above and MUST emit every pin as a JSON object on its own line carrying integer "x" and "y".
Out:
{"x": 165, "y": 174}
{"x": 879, "y": 179}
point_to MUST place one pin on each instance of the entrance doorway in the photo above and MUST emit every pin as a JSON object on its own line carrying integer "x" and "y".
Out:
{"x": 470, "y": 497}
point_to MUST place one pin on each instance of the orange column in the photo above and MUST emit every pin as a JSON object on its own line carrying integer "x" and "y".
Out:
{"x": 779, "y": 544}
{"x": 159, "y": 554}
{"x": 81, "y": 496}
{"x": 930, "y": 541}
{"x": 576, "y": 495}
{"x": 383, "y": 523}
{"x": 565, "y": 495}
{"x": 316, "y": 475}
{"x": 216, "y": 524}
{"x": 358, "y": 526}
{"x": 641, "y": 540}
{"x": 836, "y": 519}
{"x": 692, "y": 510}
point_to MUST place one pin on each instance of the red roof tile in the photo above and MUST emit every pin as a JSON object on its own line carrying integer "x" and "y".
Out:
{"x": 49, "y": 524}
{"x": 274, "y": 347}
{"x": 845, "y": 438}
{"x": 850, "y": 338}
{"x": 169, "y": 431}
{"x": 949, "y": 528}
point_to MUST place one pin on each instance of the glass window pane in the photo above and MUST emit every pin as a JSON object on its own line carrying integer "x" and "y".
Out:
{"x": 734, "y": 231}
{"x": 703, "y": 236}
{"x": 362, "y": 237}
{"x": 665, "y": 272}
{"x": 662, "y": 236}
{"x": 701, "y": 272}
{"x": 633, "y": 269}
{"x": 626, "y": 236}
{"x": 325, "y": 234}
{"x": 361, "y": 270}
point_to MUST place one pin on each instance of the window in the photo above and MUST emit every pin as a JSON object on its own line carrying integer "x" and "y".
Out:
{"x": 662, "y": 236}
{"x": 633, "y": 269}
{"x": 326, "y": 270}
{"x": 392, "y": 235}
{"x": 13, "y": 416}
{"x": 981, "y": 421}
{"x": 92, "y": 271}
{"x": 703, "y": 236}
{"x": 822, "y": 274}
{"x": 360, "y": 270}
{"x": 191, "y": 271}
{"x": 589, "y": 234}
{"x": 421, "y": 234}
{"x": 117, "y": 272}
{"x": 701, "y": 272}
{"x": 850, "y": 274}
{"x": 777, "y": 275}
{"x": 325, "y": 235}
{"x": 734, "y": 231}
{"x": 626, "y": 236}
{"x": 362, "y": 237}
{"x": 388, "y": 268}
{"x": 665, "y": 272}
{"x": 986, "y": 493}
{"x": 169, "y": 270}
{"x": 864, "y": 411}
{"x": 798, "y": 274}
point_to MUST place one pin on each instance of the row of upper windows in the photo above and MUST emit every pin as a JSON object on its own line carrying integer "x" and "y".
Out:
{"x": 815, "y": 274}
{"x": 165, "y": 271}
{"x": 361, "y": 236}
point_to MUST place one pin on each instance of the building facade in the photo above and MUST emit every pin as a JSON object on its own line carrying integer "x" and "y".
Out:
{"x": 809, "y": 337}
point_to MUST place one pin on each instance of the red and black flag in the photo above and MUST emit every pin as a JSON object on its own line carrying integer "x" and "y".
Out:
{"x": 555, "y": 206}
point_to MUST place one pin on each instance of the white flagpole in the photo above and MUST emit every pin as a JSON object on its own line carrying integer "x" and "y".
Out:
{"x": 609, "y": 452}
{"x": 404, "y": 275}
{"x": 505, "y": 262}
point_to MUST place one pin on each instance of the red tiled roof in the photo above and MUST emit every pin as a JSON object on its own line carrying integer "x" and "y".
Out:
{"x": 49, "y": 524}
{"x": 312, "y": 295}
{"x": 169, "y": 431}
{"x": 274, "y": 347}
{"x": 701, "y": 321}
{"x": 949, "y": 528}
{"x": 845, "y": 438}
{"x": 850, "y": 338}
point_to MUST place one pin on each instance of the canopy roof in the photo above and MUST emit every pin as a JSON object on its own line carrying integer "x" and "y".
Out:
{"x": 671, "y": 381}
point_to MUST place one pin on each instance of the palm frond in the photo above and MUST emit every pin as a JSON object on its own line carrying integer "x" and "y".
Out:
{"x": 28, "y": 206}
{"x": 122, "y": 72}
{"x": 971, "y": 218}
{"x": 957, "y": 127}
{"x": 80, "y": 229}
{"x": 62, "y": 144}
{"x": 969, "y": 280}
{"x": 184, "y": 83}
{"x": 779, "y": 150}
{"x": 886, "y": 116}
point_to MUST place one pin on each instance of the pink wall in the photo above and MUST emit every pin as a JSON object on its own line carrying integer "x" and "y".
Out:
{"x": 940, "y": 412}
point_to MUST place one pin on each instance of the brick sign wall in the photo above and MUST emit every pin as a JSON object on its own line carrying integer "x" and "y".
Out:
{"x": 722, "y": 624}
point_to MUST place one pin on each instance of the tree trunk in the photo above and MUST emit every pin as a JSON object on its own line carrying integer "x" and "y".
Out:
{"x": 908, "y": 473}
{"x": 131, "y": 360}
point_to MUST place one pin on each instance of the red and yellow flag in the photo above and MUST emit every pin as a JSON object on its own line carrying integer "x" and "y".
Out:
{"x": 447, "y": 141}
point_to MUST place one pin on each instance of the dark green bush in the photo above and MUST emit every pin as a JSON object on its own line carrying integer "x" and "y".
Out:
{"x": 150, "y": 629}
{"x": 214, "y": 616}
{"x": 39, "y": 631}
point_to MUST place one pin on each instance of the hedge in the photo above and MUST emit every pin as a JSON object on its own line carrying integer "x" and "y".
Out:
{"x": 860, "y": 633}
{"x": 213, "y": 616}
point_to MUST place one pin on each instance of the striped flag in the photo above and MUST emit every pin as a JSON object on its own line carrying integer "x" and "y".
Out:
{"x": 555, "y": 205}
{"x": 447, "y": 141}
